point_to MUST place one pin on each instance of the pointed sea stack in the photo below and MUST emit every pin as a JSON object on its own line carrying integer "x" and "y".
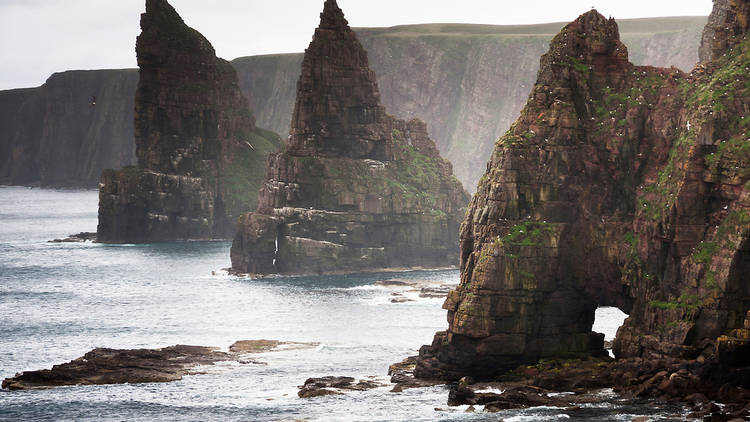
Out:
{"x": 355, "y": 189}
{"x": 618, "y": 186}
{"x": 200, "y": 156}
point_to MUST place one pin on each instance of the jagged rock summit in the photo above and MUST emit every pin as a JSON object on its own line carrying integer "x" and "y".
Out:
{"x": 338, "y": 103}
{"x": 355, "y": 188}
{"x": 200, "y": 156}
{"x": 622, "y": 186}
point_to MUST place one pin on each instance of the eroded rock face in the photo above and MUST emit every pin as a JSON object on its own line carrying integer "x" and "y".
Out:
{"x": 199, "y": 152}
{"x": 355, "y": 188}
{"x": 727, "y": 25}
{"x": 618, "y": 186}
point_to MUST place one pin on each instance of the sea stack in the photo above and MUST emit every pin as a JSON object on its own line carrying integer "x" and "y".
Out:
{"x": 200, "y": 156}
{"x": 355, "y": 189}
{"x": 618, "y": 186}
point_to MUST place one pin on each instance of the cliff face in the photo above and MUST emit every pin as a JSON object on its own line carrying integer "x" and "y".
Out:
{"x": 270, "y": 84}
{"x": 619, "y": 185}
{"x": 355, "y": 188}
{"x": 199, "y": 153}
{"x": 726, "y": 27}
{"x": 55, "y": 135}
{"x": 468, "y": 82}
{"x": 469, "y": 88}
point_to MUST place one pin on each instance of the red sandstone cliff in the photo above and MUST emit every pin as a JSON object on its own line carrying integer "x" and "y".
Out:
{"x": 623, "y": 186}
{"x": 355, "y": 188}
{"x": 199, "y": 153}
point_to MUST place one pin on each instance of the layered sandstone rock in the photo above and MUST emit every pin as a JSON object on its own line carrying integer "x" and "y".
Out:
{"x": 618, "y": 186}
{"x": 355, "y": 188}
{"x": 199, "y": 153}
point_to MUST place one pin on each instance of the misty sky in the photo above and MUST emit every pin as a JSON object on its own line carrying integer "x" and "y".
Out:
{"x": 40, "y": 37}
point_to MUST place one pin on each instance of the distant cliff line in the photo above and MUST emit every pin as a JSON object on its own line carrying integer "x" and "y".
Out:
{"x": 468, "y": 82}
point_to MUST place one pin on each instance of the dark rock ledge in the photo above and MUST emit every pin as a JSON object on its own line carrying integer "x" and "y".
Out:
{"x": 113, "y": 366}
{"x": 692, "y": 382}
{"x": 77, "y": 238}
{"x": 118, "y": 366}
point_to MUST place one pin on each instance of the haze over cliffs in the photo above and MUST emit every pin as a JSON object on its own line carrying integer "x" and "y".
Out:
{"x": 55, "y": 136}
{"x": 354, "y": 188}
{"x": 468, "y": 82}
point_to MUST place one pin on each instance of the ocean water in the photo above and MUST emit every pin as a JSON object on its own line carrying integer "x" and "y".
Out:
{"x": 60, "y": 300}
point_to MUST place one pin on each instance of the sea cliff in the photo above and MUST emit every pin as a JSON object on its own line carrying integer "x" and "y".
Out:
{"x": 200, "y": 156}
{"x": 354, "y": 188}
{"x": 619, "y": 185}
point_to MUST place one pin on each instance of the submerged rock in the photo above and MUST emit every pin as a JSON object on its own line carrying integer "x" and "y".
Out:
{"x": 76, "y": 238}
{"x": 425, "y": 289}
{"x": 355, "y": 189}
{"x": 263, "y": 346}
{"x": 509, "y": 396}
{"x": 330, "y": 385}
{"x": 199, "y": 153}
{"x": 113, "y": 366}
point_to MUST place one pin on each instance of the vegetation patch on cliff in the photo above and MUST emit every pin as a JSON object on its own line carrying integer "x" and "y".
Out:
{"x": 242, "y": 177}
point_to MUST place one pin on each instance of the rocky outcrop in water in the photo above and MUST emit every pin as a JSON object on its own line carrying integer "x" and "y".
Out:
{"x": 355, "y": 188}
{"x": 131, "y": 366}
{"x": 619, "y": 185}
{"x": 200, "y": 156}
{"x": 332, "y": 385}
{"x": 461, "y": 79}
{"x": 116, "y": 366}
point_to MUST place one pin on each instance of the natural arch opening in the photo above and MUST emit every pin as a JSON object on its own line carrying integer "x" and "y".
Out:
{"x": 607, "y": 320}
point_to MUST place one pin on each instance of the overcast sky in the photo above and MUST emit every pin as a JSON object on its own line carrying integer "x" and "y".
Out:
{"x": 40, "y": 37}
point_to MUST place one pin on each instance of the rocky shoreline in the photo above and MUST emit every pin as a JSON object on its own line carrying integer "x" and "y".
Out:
{"x": 568, "y": 383}
{"x": 563, "y": 383}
